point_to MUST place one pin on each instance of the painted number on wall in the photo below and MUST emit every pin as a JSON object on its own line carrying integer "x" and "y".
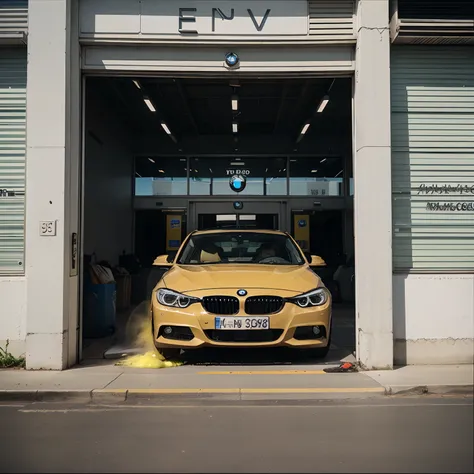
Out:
{"x": 48, "y": 228}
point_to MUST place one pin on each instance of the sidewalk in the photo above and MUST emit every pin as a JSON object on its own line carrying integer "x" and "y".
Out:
{"x": 107, "y": 382}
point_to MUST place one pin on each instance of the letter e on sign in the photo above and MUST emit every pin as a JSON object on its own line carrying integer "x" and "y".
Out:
{"x": 47, "y": 228}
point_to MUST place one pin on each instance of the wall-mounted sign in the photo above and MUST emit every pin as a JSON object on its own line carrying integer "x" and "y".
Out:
{"x": 189, "y": 19}
{"x": 448, "y": 190}
{"x": 302, "y": 231}
{"x": 188, "y": 15}
{"x": 238, "y": 172}
{"x": 173, "y": 232}
{"x": 237, "y": 183}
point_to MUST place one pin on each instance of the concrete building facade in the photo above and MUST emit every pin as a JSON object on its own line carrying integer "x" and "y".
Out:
{"x": 413, "y": 151}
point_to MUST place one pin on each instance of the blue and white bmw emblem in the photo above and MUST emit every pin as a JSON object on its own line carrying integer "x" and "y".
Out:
{"x": 238, "y": 183}
{"x": 231, "y": 59}
{"x": 241, "y": 292}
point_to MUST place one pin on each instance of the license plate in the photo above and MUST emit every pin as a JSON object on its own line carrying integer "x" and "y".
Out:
{"x": 242, "y": 323}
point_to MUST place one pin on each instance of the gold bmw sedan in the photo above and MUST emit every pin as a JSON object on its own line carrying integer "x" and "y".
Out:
{"x": 240, "y": 288}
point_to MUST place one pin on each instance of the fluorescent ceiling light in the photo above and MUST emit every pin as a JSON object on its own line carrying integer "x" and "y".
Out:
{"x": 226, "y": 217}
{"x": 305, "y": 128}
{"x": 340, "y": 172}
{"x": 138, "y": 174}
{"x": 323, "y": 160}
{"x": 160, "y": 171}
{"x": 165, "y": 128}
{"x": 314, "y": 171}
{"x": 303, "y": 131}
{"x": 182, "y": 159}
{"x": 210, "y": 170}
{"x": 323, "y": 104}
{"x": 137, "y": 84}
{"x": 293, "y": 160}
{"x": 149, "y": 104}
{"x": 237, "y": 163}
{"x": 235, "y": 127}
{"x": 235, "y": 102}
{"x": 247, "y": 217}
{"x": 151, "y": 159}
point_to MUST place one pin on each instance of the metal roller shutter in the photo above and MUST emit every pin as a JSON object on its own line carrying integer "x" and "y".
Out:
{"x": 433, "y": 158}
{"x": 331, "y": 19}
{"x": 13, "y": 16}
{"x": 12, "y": 159}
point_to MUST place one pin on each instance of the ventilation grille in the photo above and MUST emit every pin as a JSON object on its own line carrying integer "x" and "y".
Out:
{"x": 331, "y": 19}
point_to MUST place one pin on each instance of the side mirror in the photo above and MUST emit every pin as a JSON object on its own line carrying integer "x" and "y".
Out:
{"x": 317, "y": 261}
{"x": 162, "y": 261}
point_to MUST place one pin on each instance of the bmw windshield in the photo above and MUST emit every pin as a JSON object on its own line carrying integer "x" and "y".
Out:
{"x": 240, "y": 248}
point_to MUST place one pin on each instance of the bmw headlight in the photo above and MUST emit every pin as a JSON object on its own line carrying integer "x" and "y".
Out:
{"x": 316, "y": 297}
{"x": 174, "y": 299}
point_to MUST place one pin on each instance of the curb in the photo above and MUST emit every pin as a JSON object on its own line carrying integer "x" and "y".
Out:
{"x": 467, "y": 389}
{"x": 122, "y": 395}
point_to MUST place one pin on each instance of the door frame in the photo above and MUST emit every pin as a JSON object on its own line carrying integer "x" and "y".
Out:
{"x": 226, "y": 206}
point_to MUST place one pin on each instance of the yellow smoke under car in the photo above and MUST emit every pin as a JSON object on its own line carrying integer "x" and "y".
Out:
{"x": 240, "y": 288}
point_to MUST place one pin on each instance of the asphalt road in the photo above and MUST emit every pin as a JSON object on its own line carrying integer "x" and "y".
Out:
{"x": 385, "y": 435}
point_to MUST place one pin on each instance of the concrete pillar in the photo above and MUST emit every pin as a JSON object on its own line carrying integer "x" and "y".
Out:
{"x": 372, "y": 192}
{"x": 47, "y": 183}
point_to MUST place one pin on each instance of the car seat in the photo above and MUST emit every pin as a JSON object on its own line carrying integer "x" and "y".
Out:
{"x": 208, "y": 257}
{"x": 211, "y": 254}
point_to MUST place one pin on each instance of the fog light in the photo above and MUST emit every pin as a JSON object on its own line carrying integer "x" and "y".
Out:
{"x": 316, "y": 330}
{"x": 168, "y": 330}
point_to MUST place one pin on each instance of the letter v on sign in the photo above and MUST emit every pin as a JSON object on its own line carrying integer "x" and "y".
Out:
{"x": 260, "y": 26}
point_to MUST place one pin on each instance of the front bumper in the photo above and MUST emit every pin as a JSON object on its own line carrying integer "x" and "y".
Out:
{"x": 283, "y": 326}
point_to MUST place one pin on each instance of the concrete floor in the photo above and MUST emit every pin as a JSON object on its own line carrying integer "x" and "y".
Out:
{"x": 342, "y": 348}
{"x": 388, "y": 435}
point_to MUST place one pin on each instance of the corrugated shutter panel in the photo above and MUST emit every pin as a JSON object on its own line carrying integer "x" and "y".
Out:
{"x": 13, "y": 16}
{"x": 433, "y": 158}
{"x": 331, "y": 19}
{"x": 12, "y": 159}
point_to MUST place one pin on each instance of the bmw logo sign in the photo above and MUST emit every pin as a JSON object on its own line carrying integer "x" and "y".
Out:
{"x": 231, "y": 59}
{"x": 237, "y": 183}
{"x": 241, "y": 292}
{"x": 302, "y": 223}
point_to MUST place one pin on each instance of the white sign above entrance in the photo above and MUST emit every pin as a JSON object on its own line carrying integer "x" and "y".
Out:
{"x": 195, "y": 18}
{"x": 225, "y": 18}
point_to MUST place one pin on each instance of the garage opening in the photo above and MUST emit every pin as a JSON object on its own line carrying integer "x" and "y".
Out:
{"x": 164, "y": 156}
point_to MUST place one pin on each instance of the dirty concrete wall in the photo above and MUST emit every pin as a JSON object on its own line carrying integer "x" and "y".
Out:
{"x": 433, "y": 319}
{"x": 108, "y": 211}
{"x": 13, "y": 314}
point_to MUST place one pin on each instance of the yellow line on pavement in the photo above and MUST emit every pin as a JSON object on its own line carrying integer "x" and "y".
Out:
{"x": 254, "y": 390}
{"x": 264, "y": 372}
{"x": 313, "y": 390}
{"x": 183, "y": 390}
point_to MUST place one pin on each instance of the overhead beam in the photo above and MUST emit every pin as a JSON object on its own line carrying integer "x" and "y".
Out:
{"x": 284, "y": 94}
{"x": 185, "y": 100}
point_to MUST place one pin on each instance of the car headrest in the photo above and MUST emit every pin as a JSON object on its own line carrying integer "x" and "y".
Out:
{"x": 207, "y": 257}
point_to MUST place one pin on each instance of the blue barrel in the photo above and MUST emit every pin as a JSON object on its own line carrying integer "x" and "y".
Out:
{"x": 99, "y": 309}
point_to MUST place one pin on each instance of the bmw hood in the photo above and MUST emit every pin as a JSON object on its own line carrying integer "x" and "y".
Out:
{"x": 189, "y": 278}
